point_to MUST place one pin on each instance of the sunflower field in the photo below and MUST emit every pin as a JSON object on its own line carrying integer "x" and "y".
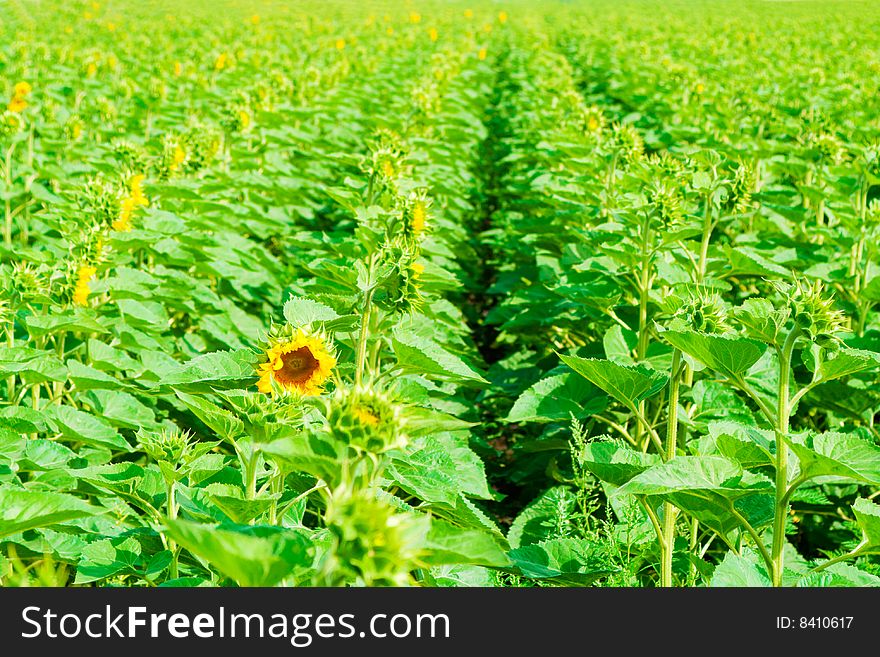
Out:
{"x": 439, "y": 293}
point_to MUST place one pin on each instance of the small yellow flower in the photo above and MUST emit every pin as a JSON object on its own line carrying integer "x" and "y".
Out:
{"x": 17, "y": 105}
{"x": 593, "y": 124}
{"x": 482, "y": 54}
{"x": 340, "y": 44}
{"x": 21, "y": 89}
{"x": 111, "y": 27}
{"x": 178, "y": 69}
{"x": 81, "y": 291}
{"x": 244, "y": 118}
{"x": 415, "y": 17}
{"x": 468, "y": 13}
{"x": 388, "y": 169}
{"x": 177, "y": 158}
{"x": 91, "y": 69}
{"x": 299, "y": 364}
{"x": 389, "y": 31}
{"x": 700, "y": 88}
{"x": 255, "y": 19}
{"x": 123, "y": 222}
{"x": 433, "y": 35}
{"x": 220, "y": 62}
{"x": 136, "y": 189}
{"x": 502, "y": 17}
{"x": 419, "y": 217}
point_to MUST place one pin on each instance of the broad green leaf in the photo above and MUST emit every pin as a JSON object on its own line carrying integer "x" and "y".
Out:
{"x": 614, "y": 461}
{"x": 85, "y": 377}
{"x": 746, "y": 570}
{"x": 448, "y": 544}
{"x": 627, "y": 384}
{"x": 749, "y": 446}
{"x": 221, "y": 369}
{"x": 558, "y": 398}
{"x": 55, "y": 322}
{"x": 224, "y": 423}
{"x": 440, "y": 470}
{"x": 21, "y": 510}
{"x": 303, "y": 312}
{"x": 836, "y": 455}
{"x": 709, "y": 488}
{"x": 421, "y": 355}
{"x": 868, "y": 516}
{"x": 840, "y": 363}
{"x": 32, "y": 365}
{"x": 86, "y": 428}
{"x": 726, "y": 354}
{"x": 251, "y": 555}
{"x": 564, "y": 560}
{"x": 108, "y": 558}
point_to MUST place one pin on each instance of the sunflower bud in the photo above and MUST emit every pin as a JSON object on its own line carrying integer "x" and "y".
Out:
{"x": 399, "y": 290}
{"x": 373, "y": 543}
{"x": 814, "y": 313}
{"x": 168, "y": 446}
{"x": 703, "y": 311}
{"x": 627, "y": 142}
{"x": 366, "y": 419}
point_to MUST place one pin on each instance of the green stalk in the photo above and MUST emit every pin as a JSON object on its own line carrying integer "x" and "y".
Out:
{"x": 361, "y": 354}
{"x": 781, "y": 511}
{"x": 171, "y": 503}
{"x": 667, "y": 545}
{"x": 707, "y": 236}
{"x": 7, "y": 226}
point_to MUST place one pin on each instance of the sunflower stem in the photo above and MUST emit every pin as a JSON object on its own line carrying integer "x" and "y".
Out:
{"x": 365, "y": 325}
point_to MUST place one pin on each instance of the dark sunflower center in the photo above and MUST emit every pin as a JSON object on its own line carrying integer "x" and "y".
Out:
{"x": 298, "y": 367}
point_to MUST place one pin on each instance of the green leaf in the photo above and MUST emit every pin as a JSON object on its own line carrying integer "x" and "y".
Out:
{"x": 422, "y": 355}
{"x": 558, "y": 398}
{"x": 614, "y": 461}
{"x": 840, "y": 363}
{"x": 217, "y": 370}
{"x": 21, "y": 510}
{"x": 448, "y": 544}
{"x": 86, "y": 428}
{"x": 727, "y": 354}
{"x": 303, "y": 312}
{"x": 85, "y": 377}
{"x": 32, "y": 365}
{"x": 251, "y": 555}
{"x": 439, "y": 470}
{"x": 749, "y": 446}
{"x": 837, "y": 455}
{"x": 740, "y": 571}
{"x": 108, "y": 558}
{"x": 709, "y": 488}
{"x": 565, "y": 560}
{"x": 221, "y": 421}
{"x": 868, "y": 516}
{"x": 626, "y": 383}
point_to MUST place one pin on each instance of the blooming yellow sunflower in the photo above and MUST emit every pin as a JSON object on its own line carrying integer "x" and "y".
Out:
{"x": 21, "y": 89}
{"x": 301, "y": 363}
